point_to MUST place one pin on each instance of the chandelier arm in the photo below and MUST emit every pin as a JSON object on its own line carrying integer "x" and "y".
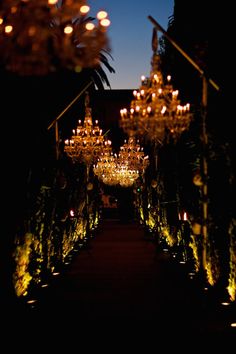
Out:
{"x": 149, "y": 95}
{"x": 106, "y": 132}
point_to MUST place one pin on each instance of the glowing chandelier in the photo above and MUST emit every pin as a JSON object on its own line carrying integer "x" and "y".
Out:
{"x": 105, "y": 166}
{"x": 155, "y": 112}
{"x": 87, "y": 142}
{"x": 112, "y": 171}
{"x": 126, "y": 176}
{"x": 132, "y": 154}
{"x": 42, "y": 36}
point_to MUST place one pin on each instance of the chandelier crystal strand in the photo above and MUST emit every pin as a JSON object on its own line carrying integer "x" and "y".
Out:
{"x": 155, "y": 112}
{"x": 87, "y": 141}
{"x": 43, "y": 36}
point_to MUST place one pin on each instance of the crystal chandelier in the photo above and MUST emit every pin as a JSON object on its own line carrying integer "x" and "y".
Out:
{"x": 132, "y": 154}
{"x": 126, "y": 176}
{"x": 105, "y": 169}
{"x": 116, "y": 174}
{"x": 87, "y": 142}
{"x": 38, "y": 37}
{"x": 155, "y": 112}
{"x": 106, "y": 163}
{"x": 113, "y": 171}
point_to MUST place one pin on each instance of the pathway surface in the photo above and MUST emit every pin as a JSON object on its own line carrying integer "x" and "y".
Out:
{"x": 122, "y": 283}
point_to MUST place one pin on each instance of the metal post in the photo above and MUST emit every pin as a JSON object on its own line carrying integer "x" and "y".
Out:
{"x": 57, "y": 140}
{"x": 87, "y": 203}
{"x": 205, "y": 173}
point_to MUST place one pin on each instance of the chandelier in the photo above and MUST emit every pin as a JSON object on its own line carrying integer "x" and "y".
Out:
{"x": 123, "y": 169}
{"x": 39, "y": 37}
{"x": 126, "y": 176}
{"x": 132, "y": 154}
{"x": 155, "y": 112}
{"x": 112, "y": 172}
{"x": 87, "y": 142}
{"x": 105, "y": 167}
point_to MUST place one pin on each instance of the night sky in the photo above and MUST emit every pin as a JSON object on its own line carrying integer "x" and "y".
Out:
{"x": 130, "y": 35}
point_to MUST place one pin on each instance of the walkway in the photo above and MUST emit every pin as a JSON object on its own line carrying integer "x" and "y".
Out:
{"x": 122, "y": 283}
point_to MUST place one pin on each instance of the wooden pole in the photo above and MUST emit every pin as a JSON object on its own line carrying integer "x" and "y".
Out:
{"x": 205, "y": 173}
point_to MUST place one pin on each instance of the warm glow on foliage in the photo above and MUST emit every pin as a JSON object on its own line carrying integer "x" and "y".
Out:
{"x": 22, "y": 277}
{"x": 151, "y": 222}
{"x": 231, "y": 288}
{"x": 170, "y": 239}
{"x": 212, "y": 267}
{"x": 194, "y": 246}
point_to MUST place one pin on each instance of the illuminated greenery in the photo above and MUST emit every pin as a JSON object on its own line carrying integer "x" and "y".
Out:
{"x": 57, "y": 223}
{"x": 160, "y": 207}
{"x": 194, "y": 245}
{"x": 21, "y": 276}
{"x": 232, "y": 273}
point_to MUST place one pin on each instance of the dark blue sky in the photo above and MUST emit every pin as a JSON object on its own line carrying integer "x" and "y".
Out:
{"x": 130, "y": 35}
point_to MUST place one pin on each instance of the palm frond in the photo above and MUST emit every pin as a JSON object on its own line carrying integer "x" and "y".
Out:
{"x": 96, "y": 78}
{"x": 101, "y": 73}
{"x": 105, "y": 62}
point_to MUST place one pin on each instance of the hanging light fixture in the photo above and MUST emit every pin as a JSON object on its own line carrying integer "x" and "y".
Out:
{"x": 155, "y": 112}
{"x": 132, "y": 154}
{"x": 39, "y": 37}
{"x": 113, "y": 170}
{"x": 87, "y": 142}
{"x": 106, "y": 163}
{"x": 105, "y": 168}
{"x": 126, "y": 176}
